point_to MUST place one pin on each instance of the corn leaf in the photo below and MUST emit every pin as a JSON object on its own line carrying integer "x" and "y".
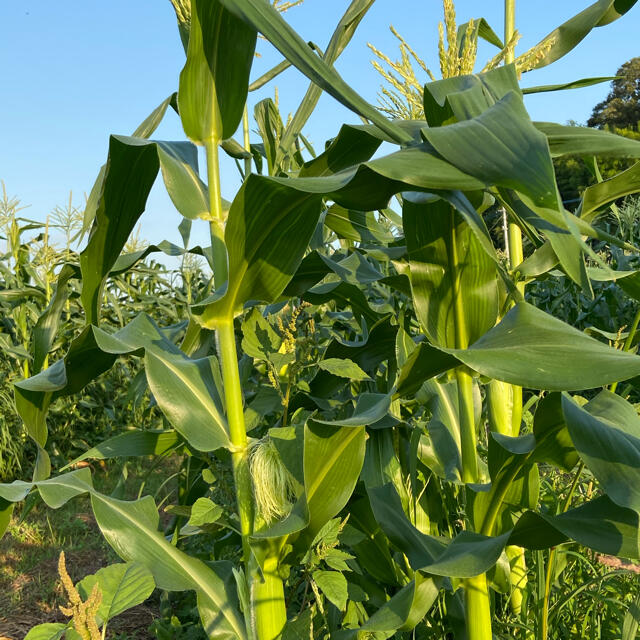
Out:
{"x": 131, "y": 444}
{"x": 341, "y": 37}
{"x": 332, "y": 461}
{"x": 566, "y": 140}
{"x": 448, "y": 269}
{"x": 597, "y": 196}
{"x": 46, "y": 327}
{"x": 606, "y": 434}
{"x": 264, "y": 18}
{"x": 501, "y": 147}
{"x": 145, "y": 130}
{"x": 575, "y": 84}
{"x": 268, "y": 230}
{"x": 599, "y": 524}
{"x": 131, "y": 528}
{"x": 528, "y": 348}
{"x": 404, "y": 610}
{"x": 569, "y": 34}
{"x": 215, "y": 79}
{"x": 172, "y": 376}
{"x": 132, "y": 168}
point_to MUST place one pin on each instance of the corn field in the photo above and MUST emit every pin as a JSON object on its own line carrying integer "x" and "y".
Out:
{"x": 400, "y": 383}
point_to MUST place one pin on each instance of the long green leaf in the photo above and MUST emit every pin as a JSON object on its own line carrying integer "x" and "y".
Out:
{"x": 460, "y": 98}
{"x": 145, "y": 130}
{"x": 420, "y": 549}
{"x": 132, "y": 168}
{"x": 603, "y": 193}
{"x": 448, "y": 270}
{"x": 131, "y": 172}
{"x": 46, "y": 327}
{"x": 480, "y": 29}
{"x": 268, "y": 230}
{"x": 331, "y": 465}
{"x": 215, "y": 79}
{"x": 528, "y": 348}
{"x": 575, "y": 84}
{"x": 358, "y": 226}
{"x": 501, "y": 147}
{"x": 599, "y": 524}
{"x": 264, "y": 18}
{"x": 341, "y": 37}
{"x": 566, "y": 140}
{"x": 186, "y": 392}
{"x": 131, "y": 528}
{"x": 128, "y": 260}
{"x": 442, "y": 453}
{"x": 402, "y": 612}
{"x": 369, "y": 409}
{"x": 468, "y": 554}
{"x": 606, "y": 434}
{"x": 170, "y": 373}
{"x": 333, "y": 459}
{"x": 131, "y": 444}
{"x": 569, "y": 34}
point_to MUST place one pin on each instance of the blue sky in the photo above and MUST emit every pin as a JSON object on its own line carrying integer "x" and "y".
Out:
{"x": 76, "y": 71}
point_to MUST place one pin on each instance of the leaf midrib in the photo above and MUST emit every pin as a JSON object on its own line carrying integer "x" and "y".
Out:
{"x": 202, "y": 398}
{"x": 184, "y": 561}
{"x": 248, "y": 257}
{"x": 336, "y": 453}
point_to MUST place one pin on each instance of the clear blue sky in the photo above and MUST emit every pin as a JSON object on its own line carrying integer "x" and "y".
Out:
{"x": 74, "y": 72}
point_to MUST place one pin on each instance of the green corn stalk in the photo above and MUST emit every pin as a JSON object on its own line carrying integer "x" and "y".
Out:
{"x": 512, "y": 394}
{"x": 505, "y": 400}
{"x": 518, "y": 576}
{"x": 268, "y": 612}
{"x": 468, "y": 436}
{"x": 514, "y": 238}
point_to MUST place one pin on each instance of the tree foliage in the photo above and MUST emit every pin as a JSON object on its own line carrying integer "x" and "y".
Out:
{"x": 621, "y": 108}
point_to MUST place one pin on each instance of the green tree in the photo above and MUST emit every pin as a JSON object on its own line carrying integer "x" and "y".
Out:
{"x": 621, "y": 108}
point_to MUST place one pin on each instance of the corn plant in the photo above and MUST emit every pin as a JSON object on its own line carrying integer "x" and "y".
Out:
{"x": 368, "y": 498}
{"x": 40, "y": 317}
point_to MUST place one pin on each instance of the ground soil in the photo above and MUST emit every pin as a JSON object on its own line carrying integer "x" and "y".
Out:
{"x": 30, "y": 591}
